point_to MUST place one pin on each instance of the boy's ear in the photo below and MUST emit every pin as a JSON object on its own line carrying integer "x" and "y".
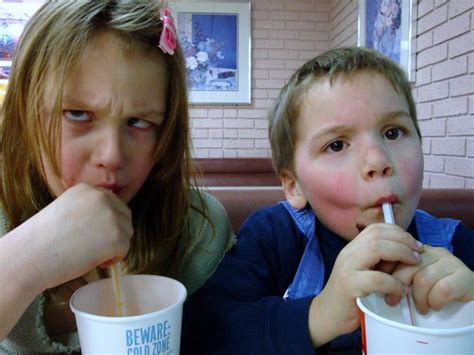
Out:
{"x": 292, "y": 189}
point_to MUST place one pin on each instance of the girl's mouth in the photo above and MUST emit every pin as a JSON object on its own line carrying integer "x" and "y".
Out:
{"x": 114, "y": 188}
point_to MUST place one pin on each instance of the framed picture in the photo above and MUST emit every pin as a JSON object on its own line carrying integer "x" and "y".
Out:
{"x": 13, "y": 17}
{"x": 215, "y": 39}
{"x": 386, "y": 25}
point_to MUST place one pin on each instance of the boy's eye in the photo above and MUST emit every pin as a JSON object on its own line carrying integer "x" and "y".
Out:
{"x": 138, "y": 123}
{"x": 394, "y": 133}
{"x": 76, "y": 115}
{"x": 336, "y": 146}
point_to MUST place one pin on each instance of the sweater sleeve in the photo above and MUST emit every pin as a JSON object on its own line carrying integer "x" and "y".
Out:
{"x": 463, "y": 245}
{"x": 212, "y": 237}
{"x": 29, "y": 334}
{"x": 241, "y": 308}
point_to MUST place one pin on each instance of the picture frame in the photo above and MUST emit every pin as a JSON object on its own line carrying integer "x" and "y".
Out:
{"x": 13, "y": 18}
{"x": 216, "y": 42}
{"x": 387, "y": 26}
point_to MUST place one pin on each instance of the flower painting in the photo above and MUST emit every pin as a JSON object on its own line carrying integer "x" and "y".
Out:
{"x": 10, "y": 31}
{"x": 209, "y": 43}
{"x": 216, "y": 44}
{"x": 13, "y": 17}
{"x": 383, "y": 27}
{"x": 387, "y": 26}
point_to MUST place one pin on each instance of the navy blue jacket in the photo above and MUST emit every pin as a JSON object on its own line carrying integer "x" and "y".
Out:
{"x": 241, "y": 310}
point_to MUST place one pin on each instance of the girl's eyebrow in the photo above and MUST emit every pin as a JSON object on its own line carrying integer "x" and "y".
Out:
{"x": 86, "y": 106}
{"x": 73, "y": 101}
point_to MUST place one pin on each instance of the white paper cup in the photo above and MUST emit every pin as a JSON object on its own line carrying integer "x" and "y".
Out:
{"x": 153, "y": 322}
{"x": 384, "y": 331}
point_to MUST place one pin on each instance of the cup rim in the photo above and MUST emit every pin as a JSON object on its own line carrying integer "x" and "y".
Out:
{"x": 122, "y": 319}
{"x": 412, "y": 328}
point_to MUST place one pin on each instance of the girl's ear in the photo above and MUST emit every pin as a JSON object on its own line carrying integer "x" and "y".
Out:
{"x": 292, "y": 189}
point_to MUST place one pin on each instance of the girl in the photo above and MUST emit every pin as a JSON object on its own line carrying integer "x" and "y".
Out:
{"x": 96, "y": 166}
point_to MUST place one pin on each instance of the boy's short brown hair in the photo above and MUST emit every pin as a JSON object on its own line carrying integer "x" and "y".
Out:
{"x": 336, "y": 62}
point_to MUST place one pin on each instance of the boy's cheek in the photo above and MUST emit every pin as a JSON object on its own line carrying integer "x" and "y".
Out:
{"x": 411, "y": 181}
{"x": 410, "y": 167}
{"x": 337, "y": 213}
{"x": 342, "y": 194}
{"x": 332, "y": 198}
{"x": 411, "y": 171}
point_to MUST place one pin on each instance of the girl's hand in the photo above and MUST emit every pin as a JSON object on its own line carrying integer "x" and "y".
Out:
{"x": 80, "y": 230}
{"x": 334, "y": 311}
{"x": 440, "y": 278}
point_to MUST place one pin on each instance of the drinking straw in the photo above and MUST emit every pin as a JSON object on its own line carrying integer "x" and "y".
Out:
{"x": 405, "y": 303}
{"x": 116, "y": 281}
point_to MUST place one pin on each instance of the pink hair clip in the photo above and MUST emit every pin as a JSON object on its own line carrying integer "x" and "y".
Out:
{"x": 168, "y": 35}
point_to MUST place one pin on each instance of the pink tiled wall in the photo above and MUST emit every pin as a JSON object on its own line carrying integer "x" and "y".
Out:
{"x": 285, "y": 33}
{"x": 444, "y": 91}
{"x": 343, "y": 23}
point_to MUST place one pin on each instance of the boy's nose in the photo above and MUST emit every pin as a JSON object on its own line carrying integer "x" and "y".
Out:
{"x": 109, "y": 152}
{"x": 376, "y": 163}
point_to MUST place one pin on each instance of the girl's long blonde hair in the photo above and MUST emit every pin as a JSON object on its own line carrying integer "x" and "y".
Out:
{"x": 51, "y": 42}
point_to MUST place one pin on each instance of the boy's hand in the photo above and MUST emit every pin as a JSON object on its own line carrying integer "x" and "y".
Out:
{"x": 356, "y": 274}
{"x": 440, "y": 278}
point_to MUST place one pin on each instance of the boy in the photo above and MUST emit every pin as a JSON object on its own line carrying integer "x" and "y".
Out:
{"x": 344, "y": 139}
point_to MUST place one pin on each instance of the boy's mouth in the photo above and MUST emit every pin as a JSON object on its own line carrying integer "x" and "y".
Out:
{"x": 377, "y": 205}
{"x": 389, "y": 198}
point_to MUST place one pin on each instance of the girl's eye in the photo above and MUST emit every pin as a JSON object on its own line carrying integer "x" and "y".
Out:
{"x": 335, "y": 146}
{"x": 76, "y": 115}
{"x": 138, "y": 123}
{"x": 394, "y": 133}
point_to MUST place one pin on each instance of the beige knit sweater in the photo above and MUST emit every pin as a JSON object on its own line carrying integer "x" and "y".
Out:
{"x": 29, "y": 335}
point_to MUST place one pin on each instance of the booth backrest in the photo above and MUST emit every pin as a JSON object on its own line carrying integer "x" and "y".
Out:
{"x": 227, "y": 172}
{"x": 241, "y": 202}
{"x": 244, "y": 185}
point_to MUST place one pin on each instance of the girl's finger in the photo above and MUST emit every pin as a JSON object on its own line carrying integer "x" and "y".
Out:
{"x": 110, "y": 262}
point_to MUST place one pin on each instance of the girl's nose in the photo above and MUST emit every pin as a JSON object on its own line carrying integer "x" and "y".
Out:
{"x": 109, "y": 152}
{"x": 376, "y": 162}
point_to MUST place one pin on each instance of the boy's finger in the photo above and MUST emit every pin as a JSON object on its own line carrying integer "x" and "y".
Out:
{"x": 456, "y": 286}
{"x": 392, "y": 299}
{"x": 375, "y": 281}
{"x": 441, "y": 294}
{"x": 424, "y": 281}
{"x": 392, "y": 232}
{"x": 405, "y": 272}
{"x": 386, "y": 266}
{"x": 393, "y": 251}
